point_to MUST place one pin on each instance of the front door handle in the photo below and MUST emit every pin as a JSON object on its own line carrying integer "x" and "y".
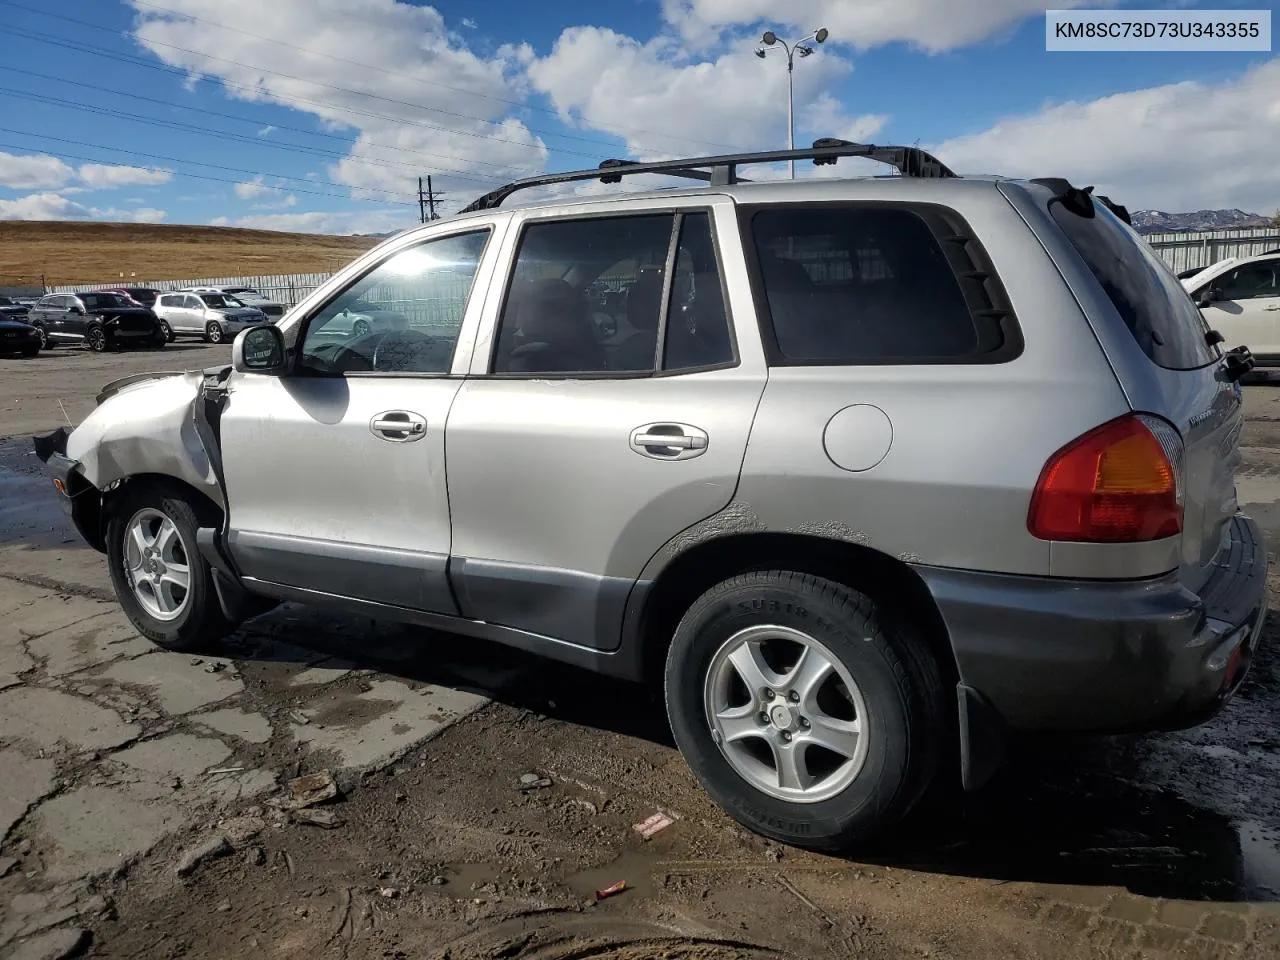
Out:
{"x": 1275, "y": 306}
{"x": 399, "y": 426}
{"x": 669, "y": 441}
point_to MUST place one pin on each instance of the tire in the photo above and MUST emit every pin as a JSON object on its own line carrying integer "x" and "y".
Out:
{"x": 46, "y": 342}
{"x": 198, "y": 622}
{"x": 360, "y": 328}
{"x": 213, "y": 332}
{"x": 897, "y": 695}
{"x": 96, "y": 339}
{"x": 167, "y": 331}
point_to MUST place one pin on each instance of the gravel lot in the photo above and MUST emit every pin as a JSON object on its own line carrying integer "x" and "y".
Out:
{"x": 120, "y": 764}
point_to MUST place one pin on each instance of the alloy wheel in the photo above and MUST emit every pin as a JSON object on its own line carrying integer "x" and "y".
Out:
{"x": 157, "y": 564}
{"x": 786, "y": 714}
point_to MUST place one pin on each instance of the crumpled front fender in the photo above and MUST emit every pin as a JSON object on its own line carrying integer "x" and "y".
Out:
{"x": 146, "y": 426}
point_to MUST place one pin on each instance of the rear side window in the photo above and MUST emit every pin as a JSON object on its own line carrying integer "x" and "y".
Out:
{"x": 1152, "y": 303}
{"x": 876, "y": 283}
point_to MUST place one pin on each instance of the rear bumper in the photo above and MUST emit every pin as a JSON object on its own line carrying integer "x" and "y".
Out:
{"x": 1107, "y": 656}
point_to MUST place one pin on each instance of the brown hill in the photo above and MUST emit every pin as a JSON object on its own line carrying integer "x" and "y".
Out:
{"x": 89, "y": 252}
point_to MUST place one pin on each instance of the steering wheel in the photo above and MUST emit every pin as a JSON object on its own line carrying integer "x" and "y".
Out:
{"x": 409, "y": 351}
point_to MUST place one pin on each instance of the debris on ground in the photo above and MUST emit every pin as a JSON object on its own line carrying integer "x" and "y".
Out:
{"x": 214, "y": 846}
{"x": 54, "y": 945}
{"x": 388, "y": 893}
{"x": 297, "y": 716}
{"x": 255, "y": 856}
{"x": 533, "y": 781}
{"x": 224, "y": 906}
{"x": 611, "y": 891}
{"x": 311, "y": 790}
{"x": 317, "y": 818}
{"x": 240, "y": 830}
{"x": 218, "y": 771}
{"x": 647, "y": 828}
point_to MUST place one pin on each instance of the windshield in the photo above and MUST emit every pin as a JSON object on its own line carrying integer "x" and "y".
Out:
{"x": 243, "y": 291}
{"x": 221, "y": 301}
{"x": 1152, "y": 302}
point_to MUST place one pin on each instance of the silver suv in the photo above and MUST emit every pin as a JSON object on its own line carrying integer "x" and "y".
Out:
{"x": 866, "y": 472}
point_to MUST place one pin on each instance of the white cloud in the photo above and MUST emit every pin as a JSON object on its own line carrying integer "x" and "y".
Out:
{"x": 267, "y": 130}
{"x": 33, "y": 172}
{"x": 666, "y": 104}
{"x": 249, "y": 189}
{"x": 55, "y": 206}
{"x": 43, "y": 206}
{"x": 932, "y": 25}
{"x": 103, "y": 176}
{"x": 468, "y": 23}
{"x": 416, "y": 60}
{"x": 1184, "y": 146}
{"x": 337, "y": 222}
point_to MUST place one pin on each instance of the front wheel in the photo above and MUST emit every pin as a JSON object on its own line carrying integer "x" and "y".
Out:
{"x": 162, "y": 582}
{"x": 97, "y": 339}
{"x": 167, "y": 331}
{"x": 46, "y": 342}
{"x": 213, "y": 332}
{"x": 802, "y": 714}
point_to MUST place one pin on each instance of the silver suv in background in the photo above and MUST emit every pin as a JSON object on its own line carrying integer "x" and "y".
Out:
{"x": 214, "y": 317}
{"x": 273, "y": 309}
{"x": 862, "y": 473}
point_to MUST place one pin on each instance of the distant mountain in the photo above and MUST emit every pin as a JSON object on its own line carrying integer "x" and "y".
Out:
{"x": 1157, "y": 221}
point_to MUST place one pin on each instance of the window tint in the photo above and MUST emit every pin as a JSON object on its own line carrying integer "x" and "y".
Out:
{"x": 1250, "y": 281}
{"x": 585, "y": 297}
{"x": 401, "y": 317}
{"x": 866, "y": 284}
{"x": 697, "y": 326}
{"x": 1152, "y": 303}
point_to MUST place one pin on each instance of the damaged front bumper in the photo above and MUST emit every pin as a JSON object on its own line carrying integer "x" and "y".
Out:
{"x": 80, "y": 500}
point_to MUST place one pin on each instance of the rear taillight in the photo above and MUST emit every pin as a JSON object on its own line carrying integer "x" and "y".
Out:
{"x": 1119, "y": 483}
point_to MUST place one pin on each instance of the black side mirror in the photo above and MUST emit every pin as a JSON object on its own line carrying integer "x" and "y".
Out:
{"x": 260, "y": 349}
{"x": 77, "y": 310}
{"x": 1210, "y": 296}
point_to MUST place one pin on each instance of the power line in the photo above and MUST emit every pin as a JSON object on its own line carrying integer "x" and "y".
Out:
{"x": 256, "y": 122}
{"x": 178, "y": 71}
{"x": 199, "y": 163}
{"x": 318, "y": 83}
{"x": 403, "y": 76}
{"x": 198, "y": 176}
{"x": 219, "y": 134}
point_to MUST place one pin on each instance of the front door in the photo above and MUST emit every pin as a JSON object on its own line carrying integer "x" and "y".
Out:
{"x": 595, "y": 428}
{"x": 75, "y": 319}
{"x": 335, "y": 472}
{"x": 1247, "y": 310}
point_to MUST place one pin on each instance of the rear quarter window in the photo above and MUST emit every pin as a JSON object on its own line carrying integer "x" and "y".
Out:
{"x": 875, "y": 283}
{"x": 1154, "y": 305}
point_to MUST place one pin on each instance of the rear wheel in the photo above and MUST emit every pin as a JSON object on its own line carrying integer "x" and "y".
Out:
{"x": 804, "y": 715}
{"x": 213, "y": 332}
{"x": 162, "y": 582}
{"x": 96, "y": 338}
{"x": 360, "y": 328}
{"x": 46, "y": 342}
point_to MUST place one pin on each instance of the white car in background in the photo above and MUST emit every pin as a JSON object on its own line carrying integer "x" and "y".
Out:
{"x": 250, "y": 297}
{"x": 1240, "y": 298}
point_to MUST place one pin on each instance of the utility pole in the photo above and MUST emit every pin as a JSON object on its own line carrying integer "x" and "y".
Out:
{"x": 427, "y": 200}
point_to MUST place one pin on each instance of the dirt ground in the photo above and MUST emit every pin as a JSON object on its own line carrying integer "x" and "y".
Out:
{"x": 1143, "y": 847}
{"x": 72, "y": 252}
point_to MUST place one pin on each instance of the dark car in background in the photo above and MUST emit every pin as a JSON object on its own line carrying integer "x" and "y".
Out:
{"x": 11, "y": 309}
{"x": 146, "y": 296}
{"x": 101, "y": 320}
{"x": 18, "y": 337}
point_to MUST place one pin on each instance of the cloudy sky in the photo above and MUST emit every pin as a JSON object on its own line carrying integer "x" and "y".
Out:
{"x": 320, "y": 115}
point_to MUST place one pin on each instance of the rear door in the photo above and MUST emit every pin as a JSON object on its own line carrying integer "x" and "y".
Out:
{"x": 1180, "y": 378}
{"x": 581, "y": 444}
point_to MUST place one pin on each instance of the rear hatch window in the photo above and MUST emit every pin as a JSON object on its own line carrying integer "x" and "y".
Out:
{"x": 1152, "y": 302}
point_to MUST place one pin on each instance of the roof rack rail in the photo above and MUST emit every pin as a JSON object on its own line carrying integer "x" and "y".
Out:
{"x": 723, "y": 170}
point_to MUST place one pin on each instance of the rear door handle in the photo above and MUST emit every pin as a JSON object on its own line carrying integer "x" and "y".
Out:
{"x": 669, "y": 441}
{"x": 399, "y": 426}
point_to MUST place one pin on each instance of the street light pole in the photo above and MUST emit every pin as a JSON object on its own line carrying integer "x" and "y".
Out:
{"x": 771, "y": 41}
